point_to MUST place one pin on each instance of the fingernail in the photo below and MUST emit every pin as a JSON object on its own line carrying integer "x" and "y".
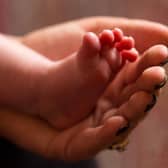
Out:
{"x": 120, "y": 146}
{"x": 162, "y": 83}
{"x": 122, "y": 130}
{"x": 164, "y": 63}
{"x": 150, "y": 106}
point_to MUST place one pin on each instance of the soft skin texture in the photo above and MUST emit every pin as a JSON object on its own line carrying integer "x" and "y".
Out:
{"x": 67, "y": 144}
{"x": 72, "y": 87}
{"x": 61, "y": 92}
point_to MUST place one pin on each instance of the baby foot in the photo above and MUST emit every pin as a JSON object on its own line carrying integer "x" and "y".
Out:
{"x": 72, "y": 86}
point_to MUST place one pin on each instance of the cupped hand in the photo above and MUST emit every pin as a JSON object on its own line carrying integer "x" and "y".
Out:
{"x": 59, "y": 41}
{"x": 85, "y": 139}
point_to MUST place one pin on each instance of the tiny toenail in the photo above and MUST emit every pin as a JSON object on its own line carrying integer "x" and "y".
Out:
{"x": 122, "y": 130}
{"x": 164, "y": 63}
{"x": 162, "y": 83}
{"x": 151, "y": 105}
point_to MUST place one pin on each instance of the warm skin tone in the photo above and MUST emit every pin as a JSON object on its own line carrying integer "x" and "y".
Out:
{"x": 67, "y": 144}
{"x": 62, "y": 92}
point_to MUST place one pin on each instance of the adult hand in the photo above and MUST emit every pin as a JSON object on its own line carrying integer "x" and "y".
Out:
{"x": 57, "y": 42}
{"x": 83, "y": 140}
{"x": 79, "y": 142}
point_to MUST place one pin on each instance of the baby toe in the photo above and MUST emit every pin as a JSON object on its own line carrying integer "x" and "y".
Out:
{"x": 126, "y": 43}
{"x": 118, "y": 34}
{"x": 106, "y": 39}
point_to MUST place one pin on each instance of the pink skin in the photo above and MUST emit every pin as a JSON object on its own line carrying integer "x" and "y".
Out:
{"x": 66, "y": 91}
{"x": 65, "y": 101}
{"x": 124, "y": 45}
